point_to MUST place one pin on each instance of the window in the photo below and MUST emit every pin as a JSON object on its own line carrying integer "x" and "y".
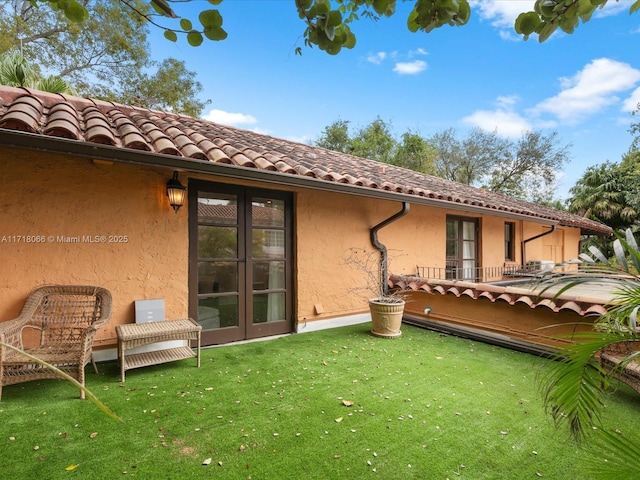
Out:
{"x": 461, "y": 248}
{"x": 509, "y": 241}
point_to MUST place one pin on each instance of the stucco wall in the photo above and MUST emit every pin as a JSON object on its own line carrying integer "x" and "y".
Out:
{"x": 330, "y": 225}
{"x": 141, "y": 251}
{"x": 140, "y": 245}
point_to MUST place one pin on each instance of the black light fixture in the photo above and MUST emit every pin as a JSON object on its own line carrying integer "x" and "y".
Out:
{"x": 175, "y": 192}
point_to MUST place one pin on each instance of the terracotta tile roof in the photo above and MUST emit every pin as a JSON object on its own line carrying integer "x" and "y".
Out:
{"x": 580, "y": 304}
{"x": 103, "y": 123}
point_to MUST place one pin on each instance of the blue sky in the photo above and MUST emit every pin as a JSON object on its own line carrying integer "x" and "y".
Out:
{"x": 583, "y": 86}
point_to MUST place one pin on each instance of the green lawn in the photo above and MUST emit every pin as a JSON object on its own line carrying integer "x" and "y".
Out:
{"x": 425, "y": 406}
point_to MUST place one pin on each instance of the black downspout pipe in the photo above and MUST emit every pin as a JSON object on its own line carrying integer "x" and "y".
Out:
{"x": 524, "y": 242}
{"x": 384, "y": 258}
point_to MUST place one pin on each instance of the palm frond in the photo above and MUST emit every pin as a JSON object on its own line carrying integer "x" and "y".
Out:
{"x": 612, "y": 456}
{"x": 574, "y": 387}
{"x": 54, "y": 84}
{"x": 598, "y": 254}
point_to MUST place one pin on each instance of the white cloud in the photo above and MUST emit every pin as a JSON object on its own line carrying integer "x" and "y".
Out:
{"x": 417, "y": 52}
{"x": 506, "y": 123}
{"x": 503, "y": 120}
{"x": 261, "y": 131}
{"x": 230, "y": 118}
{"x": 590, "y": 90}
{"x": 507, "y": 101}
{"x": 377, "y": 58}
{"x": 306, "y": 139}
{"x": 613, "y": 8}
{"x": 509, "y": 35}
{"x": 631, "y": 103}
{"x": 501, "y": 13}
{"x": 410, "y": 68}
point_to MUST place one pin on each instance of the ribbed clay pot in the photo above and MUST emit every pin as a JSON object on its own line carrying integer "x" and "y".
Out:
{"x": 386, "y": 318}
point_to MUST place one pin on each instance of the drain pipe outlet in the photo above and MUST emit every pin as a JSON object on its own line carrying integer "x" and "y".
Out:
{"x": 524, "y": 242}
{"x": 384, "y": 257}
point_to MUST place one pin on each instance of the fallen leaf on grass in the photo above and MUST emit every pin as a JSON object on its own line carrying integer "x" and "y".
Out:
{"x": 338, "y": 420}
{"x": 207, "y": 461}
{"x": 347, "y": 403}
{"x": 93, "y": 435}
{"x": 71, "y": 467}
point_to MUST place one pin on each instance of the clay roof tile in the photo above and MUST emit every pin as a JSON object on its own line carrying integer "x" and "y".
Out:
{"x": 23, "y": 113}
{"x": 124, "y": 126}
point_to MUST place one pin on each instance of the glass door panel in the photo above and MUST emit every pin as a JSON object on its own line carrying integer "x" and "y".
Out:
{"x": 219, "y": 255}
{"x": 461, "y": 249}
{"x": 268, "y": 265}
{"x": 240, "y": 253}
{"x": 468, "y": 250}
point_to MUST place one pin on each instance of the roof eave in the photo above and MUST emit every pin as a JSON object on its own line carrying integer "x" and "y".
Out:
{"x": 38, "y": 142}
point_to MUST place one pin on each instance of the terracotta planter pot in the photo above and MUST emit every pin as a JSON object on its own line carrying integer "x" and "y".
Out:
{"x": 386, "y": 318}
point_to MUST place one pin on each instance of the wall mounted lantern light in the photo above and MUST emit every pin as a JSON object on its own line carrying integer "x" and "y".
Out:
{"x": 175, "y": 192}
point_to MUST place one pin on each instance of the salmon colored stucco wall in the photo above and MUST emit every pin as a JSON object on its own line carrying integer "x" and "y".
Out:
{"x": 58, "y": 198}
{"x": 330, "y": 225}
{"x": 144, "y": 251}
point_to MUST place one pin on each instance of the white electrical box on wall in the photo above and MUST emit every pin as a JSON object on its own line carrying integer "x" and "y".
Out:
{"x": 149, "y": 310}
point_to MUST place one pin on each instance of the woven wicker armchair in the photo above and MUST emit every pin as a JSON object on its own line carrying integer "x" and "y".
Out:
{"x": 57, "y": 325}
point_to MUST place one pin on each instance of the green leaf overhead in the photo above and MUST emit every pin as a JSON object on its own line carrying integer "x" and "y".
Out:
{"x": 75, "y": 12}
{"x": 328, "y": 22}
{"x": 194, "y": 38}
{"x": 210, "y": 19}
{"x": 215, "y": 33}
{"x": 170, "y": 35}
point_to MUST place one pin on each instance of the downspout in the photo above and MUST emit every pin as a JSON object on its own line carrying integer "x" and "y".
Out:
{"x": 384, "y": 257}
{"x": 524, "y": 242}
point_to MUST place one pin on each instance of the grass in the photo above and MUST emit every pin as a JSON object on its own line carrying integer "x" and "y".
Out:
{"x": 426, "y": 406}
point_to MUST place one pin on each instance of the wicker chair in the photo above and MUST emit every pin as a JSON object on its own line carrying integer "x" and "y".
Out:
{"x": 57, "y": 325}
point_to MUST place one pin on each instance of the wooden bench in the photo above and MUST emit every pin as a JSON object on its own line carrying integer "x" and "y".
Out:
{"x": 140, "y": 334}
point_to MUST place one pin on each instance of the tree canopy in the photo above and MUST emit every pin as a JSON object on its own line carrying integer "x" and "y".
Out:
{"x": 526, "y": 168}
{"x": 106, "y": 56}
{"x": 376, "y": 142}
{"x": 610, "y": 193}
{"x": 328, "y": 22}
{"x": 15, "y": 71}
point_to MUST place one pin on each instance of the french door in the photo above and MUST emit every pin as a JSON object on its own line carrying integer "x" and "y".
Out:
{"x": 462, "y": 248}
{"x": 240, "y": 243}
